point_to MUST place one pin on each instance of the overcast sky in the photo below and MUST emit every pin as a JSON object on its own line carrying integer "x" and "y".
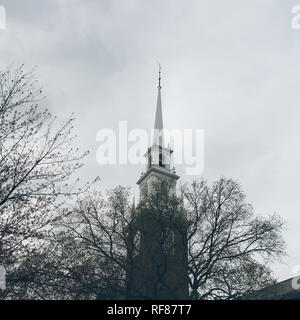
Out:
{"x": 229, "y": 67}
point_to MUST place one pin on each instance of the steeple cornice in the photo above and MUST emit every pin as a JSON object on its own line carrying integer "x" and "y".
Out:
{"x": 160, "y": 172}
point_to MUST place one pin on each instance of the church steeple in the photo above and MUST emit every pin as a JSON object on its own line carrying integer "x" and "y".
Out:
{"x": 158, "y": 156}
{"x": 157, "y": 246}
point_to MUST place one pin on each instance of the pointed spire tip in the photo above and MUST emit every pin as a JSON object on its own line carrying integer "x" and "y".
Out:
{"x": 159, "y": 77}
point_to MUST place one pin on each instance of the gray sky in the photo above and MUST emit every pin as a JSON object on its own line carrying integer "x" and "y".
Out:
{"x": 229, "y": 67}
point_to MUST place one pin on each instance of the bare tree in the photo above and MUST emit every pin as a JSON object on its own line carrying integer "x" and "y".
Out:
{"x": 66, "y": 269}
{"x": 85, "y": 258}
{"x": 36, "y": 163}
{"x": 228, "y": 248}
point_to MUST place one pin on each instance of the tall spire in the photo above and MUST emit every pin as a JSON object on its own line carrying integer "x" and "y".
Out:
{"x": 158, "y": 137}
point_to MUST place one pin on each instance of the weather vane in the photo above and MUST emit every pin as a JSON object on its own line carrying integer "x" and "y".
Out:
{"x": 159, "y": 78}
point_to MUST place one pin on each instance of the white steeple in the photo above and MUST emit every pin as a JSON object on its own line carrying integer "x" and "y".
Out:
{"x": 158, "y": 156}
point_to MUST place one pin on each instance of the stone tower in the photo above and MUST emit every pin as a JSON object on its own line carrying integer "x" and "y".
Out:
{"x": 157, "y": 246}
